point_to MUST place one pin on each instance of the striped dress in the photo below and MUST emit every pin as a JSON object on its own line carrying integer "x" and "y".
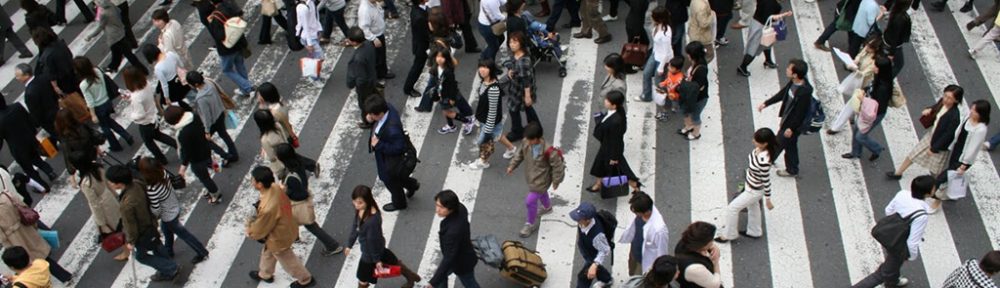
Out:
{"x": 759, "y": 173}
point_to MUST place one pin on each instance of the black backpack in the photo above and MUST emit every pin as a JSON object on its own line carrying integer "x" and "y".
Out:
{"x": 407, "y": 161}
{"x": 893, "y": 230}
{"x": 813, "y": 122}
{"x": 608, "y": 223}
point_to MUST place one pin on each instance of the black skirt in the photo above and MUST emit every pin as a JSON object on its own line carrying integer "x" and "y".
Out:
{"x": 601, "y": 168}
{"x": 366, "y": 270}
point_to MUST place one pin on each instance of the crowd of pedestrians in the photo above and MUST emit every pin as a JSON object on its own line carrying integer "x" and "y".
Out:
{"x": 73, "y": 100}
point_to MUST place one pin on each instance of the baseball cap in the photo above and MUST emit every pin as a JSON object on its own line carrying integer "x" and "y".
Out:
{"x": 584, "y": 211}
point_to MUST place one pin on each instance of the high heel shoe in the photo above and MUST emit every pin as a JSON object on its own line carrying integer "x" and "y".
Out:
{"x": 593, "y": 190}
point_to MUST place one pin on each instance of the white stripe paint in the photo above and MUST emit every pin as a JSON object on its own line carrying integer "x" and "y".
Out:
{"x": 983, "y": 175}
{"x": 464, "y": 181}
{"x": 416, "y": 125}
{"x": 847, "y": 184}
{"x": 555, "y": 229}
{"x": 640, "y": 142}
{"x": 708, "y": 166}
{"x": 786, "y": 243}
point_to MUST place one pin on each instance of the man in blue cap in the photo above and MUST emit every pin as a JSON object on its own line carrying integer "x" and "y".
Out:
{"x": 594, "y": 247}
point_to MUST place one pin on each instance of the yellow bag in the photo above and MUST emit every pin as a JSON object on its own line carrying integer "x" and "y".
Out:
{"x": 47, "y": 148}
{"x": 522, "y": 265}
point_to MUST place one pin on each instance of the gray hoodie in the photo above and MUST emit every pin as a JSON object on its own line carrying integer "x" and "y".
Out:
{"x": 208, "y": 104}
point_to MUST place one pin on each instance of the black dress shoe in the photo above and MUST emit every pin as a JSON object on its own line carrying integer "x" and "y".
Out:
{"x": 256, "y": 277}
{"x": 873, "y": 157}
{"x": 603, "y": 39}
{"x": 570, "y": 25}
{"x": 198, "y": 259}
{"x": 389, "y": 75}
{"x": 967, "y": 7}
{"x": 721, "y": 240}
{"x": 364, "y": 125}
{"x": 418, "y": 109}
{"x": 391, "y": 207}
{"x": 473, "y": 50}
{"x": 892, "y": 175}
{"x": 848, "y": 156}
{"x": 411, "y": 192}
{"x": 26, "y": 55}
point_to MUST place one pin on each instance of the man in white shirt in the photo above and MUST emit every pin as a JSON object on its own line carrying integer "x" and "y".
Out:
{"x": 908, "y": 204}
{"x": 371, "y": 19}
{"x": 171, "y": 37}
{"x": 647, "y": 234}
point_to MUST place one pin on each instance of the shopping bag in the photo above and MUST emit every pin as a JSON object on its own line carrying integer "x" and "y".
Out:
{"x": 781, "y": 30}
{"x": 850, "y": 83}
{"x": 310, "y": 67}
{"x": 232, "y": 120}
{"x": 50, "y": 236}
{"x": 113, "y": 241}
{"x": 768, "y": 36}
{"x": 387, "y": 271}
{"x": 957, "y": 185}
{"x": 47, "y": 149}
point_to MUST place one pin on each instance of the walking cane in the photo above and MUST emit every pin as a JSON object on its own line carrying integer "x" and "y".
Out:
{"x": 135, "y": 279}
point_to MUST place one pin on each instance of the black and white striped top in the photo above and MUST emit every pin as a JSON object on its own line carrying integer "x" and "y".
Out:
{"x": 162, "y": 201}
{"x": 492, "y": 93}
{"x": 759, "y": 173}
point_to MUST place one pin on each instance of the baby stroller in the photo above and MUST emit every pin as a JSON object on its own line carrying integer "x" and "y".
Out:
{"x": 543, "y": 47}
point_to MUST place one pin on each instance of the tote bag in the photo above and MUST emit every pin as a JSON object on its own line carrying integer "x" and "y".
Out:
{"x": 310, "y": 66}
{"x": 768, "y": 34}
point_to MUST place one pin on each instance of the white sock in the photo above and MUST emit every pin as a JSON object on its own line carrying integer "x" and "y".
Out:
{"x": 35, "y": 185}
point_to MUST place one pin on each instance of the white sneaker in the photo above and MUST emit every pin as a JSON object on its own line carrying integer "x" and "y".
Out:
{"x": 810, "y": 1}
{"x": 986, "y": 146}
{"x": 479, "y": 165}
{"x": 903, "y": 281}
{"x": 467, "y": 127}
{"x": 510, "y": 153}
{"x": 609, "y": 18}
{"x": 447, "y": 129}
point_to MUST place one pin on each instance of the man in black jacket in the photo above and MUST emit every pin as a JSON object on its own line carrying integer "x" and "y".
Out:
{"x": 389, "y": 143}
{"x": 17, "y": 130}
{"x": 795, "y": 98}
{"x": 231, "y": 58}
{"x": 851, "y": 9}
{"x": 457, "y": 255}
{"x": 420, "y": 39}
{"x": 7, "y": 33}
{"x": 41, "y": 98}
{"x": 88, "y": 15}
{"x": 361, "y": 75}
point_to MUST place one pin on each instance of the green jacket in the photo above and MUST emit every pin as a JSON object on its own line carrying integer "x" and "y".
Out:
{"x": 543, "y": 172}
{"x": 137, "y": 219}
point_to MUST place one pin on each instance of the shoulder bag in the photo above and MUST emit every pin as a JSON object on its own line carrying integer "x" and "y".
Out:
{"x": 635, "y": 53}
{"x": 28, "y": 215}
{"x": 928, "y": 120}
{"x": 498, "y": 27}
{"x": 768, "y": 34}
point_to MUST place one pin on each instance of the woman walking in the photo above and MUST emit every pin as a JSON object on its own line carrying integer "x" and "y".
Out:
{"x": 930, "y": 151}
{"x": 614, "y": 65}
{"x": 367, "y": 230}
{"x": 757, "y": 184}
{"x": 897, "y": 33}
{"x": 194, "y": 149}
{"x": 163, "y": 203}
{"x": 489, "y": 112}
{"x": 266, "y": 15}
{"x": 143, "y": 111}
{"x": 969, "y": 136}
{"x": 698, "y": 257}
{"x": 635, "y": 22}
{"x": 270, "y": 137}
{"x": 308, "y": 28}
{"x": 663, "y": 51}
{"x": 268, "y": 98}
{"x": 95, "y": 93}
{"x": 767, "y": 11}
{"x": 114, "y": 32}
{"x": 881, "y": 91}
{"x": 453, "y": 104}
{"x": 610, "y": 132}
{"x": 522, "y": 75}
{"x": 296, "y": 182}
{"x": 102, "y": 201}
{"x": 167, "y": 67}
{"x": 862, "y": 74}
{"x": 212, "y": 112}
{"x": 334, "y": 13}
{"x": 697, "y": 73}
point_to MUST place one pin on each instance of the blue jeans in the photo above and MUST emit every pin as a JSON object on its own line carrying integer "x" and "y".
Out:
{"x": 677, "y": 39}
{"x": 648, "y": 76}
{"x": 492, "y": 42}
{"x": 468, "y": 281}
{"x": 317, "y": 52}
{"x": 994, "y": 142}
{"x": 172, "y": 227}
{"x": 154, "y": 255}
{"x": 863, "y": 140}
{"x": 234, "y": 68}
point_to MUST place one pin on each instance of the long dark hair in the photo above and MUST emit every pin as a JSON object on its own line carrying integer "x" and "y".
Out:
{"x": 265, "y": 121}
{"x": 766, "y": 136}
{"x": 884, "y": 75}
{"x": 449, "y": 62}
{"x": 85, "y": 163}
{"x": 696, "y": 50}
{"x": 617, "y": 64}
{"x": 84, "y": 70}
{"x": 135, "y": 78}
{"x": 982, "y": 107}
{"x": 438, "y": 22}
{"x": 286, "y": 154}
{"x": 661, "y": 273}
{"x": 491, "y": 65}
{"x": 618, "y": 99}
{"x": 66, "y": 125}
{"x": 152, "y": 171}
{"x": 661, "y": 17}
{"x": 513, "y": 6}
{"x": 269, "y": 93}
{"x": 695, "y": 237}
{"x": 365, "y": 194}
{"x": 899, "y": 8}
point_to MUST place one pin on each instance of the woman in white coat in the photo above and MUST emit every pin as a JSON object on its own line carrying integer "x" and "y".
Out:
{"x": 969, "y": 136}
{"x": 651, "y": 241}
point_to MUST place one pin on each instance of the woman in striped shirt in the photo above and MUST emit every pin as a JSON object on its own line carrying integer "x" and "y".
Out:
{"x": 163, "y": 202}
{"x": 758, "y": 184}
{"x": 489, "y": 112}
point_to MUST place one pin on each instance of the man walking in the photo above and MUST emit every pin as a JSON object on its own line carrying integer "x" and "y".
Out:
{"x": 232, "y": 57}
{"x": 140, "y": 224}
{"x": 275, "y": 226}
{"x": 389, "y": 143}
{"x": 647, "y": 234}
{"x": 593, "y": 245}
{"x": 911, "y": 207}
{"x": 420, "y": 41}
{"x": 371, "y": 19}
{"x": 7, "y": 34}
{"x": 795, "y": 99}
{"x": 361, "y": 70}
{"x": 457, "y": 255}
{"x": 592, "y": 21}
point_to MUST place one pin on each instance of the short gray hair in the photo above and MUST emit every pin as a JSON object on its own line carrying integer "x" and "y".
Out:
{"x": 25, "y": 69}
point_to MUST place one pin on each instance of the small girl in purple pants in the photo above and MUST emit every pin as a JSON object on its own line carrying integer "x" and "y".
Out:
{"x": 544, "y": 167}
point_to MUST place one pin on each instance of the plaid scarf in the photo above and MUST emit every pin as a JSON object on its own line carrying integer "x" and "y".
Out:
{"x": 969, "y": 276}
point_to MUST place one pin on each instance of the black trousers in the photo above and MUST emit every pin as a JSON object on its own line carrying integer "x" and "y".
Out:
{"x": 7, "y": 35}
{"x": 123, "y": 49}
{"x": 419, "y": 62}
{"x": 219, "y": 127}
{"x": 854, "y": 42}
{"x": 516, "y": 127}
{"x": 84, "y": 9}
{"x": 28, "y": 163}
{"x": 886, "y": 274}
{"x": 200, "y": 170}
{"x": 150, "y": 135}
{"x": 332, "y": 17}
{"x": 381, "y": 66}
{"x": 791, "y": 147}
{"x": 613, "y": 7}
{"x": 467, "y": 34}
{"x": 129, "y": 35}
{"x": 396, "y": 189}
{"x": 265, "y": 27}
{"x": 364, "y": 91}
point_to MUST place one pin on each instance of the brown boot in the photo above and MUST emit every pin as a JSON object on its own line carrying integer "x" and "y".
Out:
{"x": 411, "y": 277}
{"x": 546, "y": 9}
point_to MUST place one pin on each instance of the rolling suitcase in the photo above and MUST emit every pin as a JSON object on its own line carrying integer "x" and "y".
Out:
{"x": 522, "y": 265}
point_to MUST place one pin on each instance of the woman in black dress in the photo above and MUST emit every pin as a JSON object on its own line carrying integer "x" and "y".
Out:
{"x": 610, "y": 131}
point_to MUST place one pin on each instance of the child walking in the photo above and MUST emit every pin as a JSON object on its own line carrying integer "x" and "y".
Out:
{"x": 544, "y": 168}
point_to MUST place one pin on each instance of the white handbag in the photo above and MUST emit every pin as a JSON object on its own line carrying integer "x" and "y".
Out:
{"x": 768, "y": 36}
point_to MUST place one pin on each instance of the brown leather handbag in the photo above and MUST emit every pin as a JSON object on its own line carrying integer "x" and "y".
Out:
{"x": 635, "y": 53}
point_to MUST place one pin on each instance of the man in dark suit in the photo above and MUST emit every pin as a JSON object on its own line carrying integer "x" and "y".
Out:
{"x": 361, "y": 71}
{"x": 420, "y": 39}
{"x": 795, "y": 98}
{"x": 54, "y": 62}
{"x": 7, "y": 33}
{"x": 389, "y": 143}
{"x": 16, "y": 129}
{"x": 41, "y": 98}
{"x": 457, "y": 255}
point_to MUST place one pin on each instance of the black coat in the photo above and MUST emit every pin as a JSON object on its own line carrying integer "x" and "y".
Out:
{"x": 793, "y": 119}
{"x": 17, "y": 131}
{"x": 192, "y": 143}
{"x": 361, "y": 70}
{"x": 611, "y": 134}
{"x": 897, "y": 32}
{"x": 944, "y": 132}
{"x": 53, "y": 64}
{"x": 457, "y": 255}
{"x": 419, "y": 31}
{"x": 636, "y": 19}
{"x": 42, "y": 101}
{"x": 483, "y": 106}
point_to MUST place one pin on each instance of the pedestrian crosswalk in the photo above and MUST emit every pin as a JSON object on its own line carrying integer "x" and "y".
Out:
{"x": 818, "y": 234}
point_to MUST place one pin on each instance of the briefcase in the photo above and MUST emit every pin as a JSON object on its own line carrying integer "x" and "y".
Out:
{"x": 635, "y": 53}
